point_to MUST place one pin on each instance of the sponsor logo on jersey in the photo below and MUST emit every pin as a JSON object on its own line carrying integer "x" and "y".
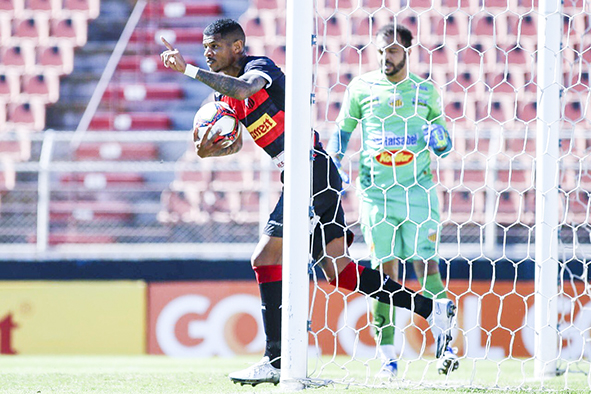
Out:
{"x": 396, "y": 157}
{"x": 261, "y": 127}
{"x": 392, "y": 140}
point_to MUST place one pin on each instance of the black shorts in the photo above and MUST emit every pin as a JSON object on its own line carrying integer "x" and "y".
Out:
{"x": 329, "y": 217}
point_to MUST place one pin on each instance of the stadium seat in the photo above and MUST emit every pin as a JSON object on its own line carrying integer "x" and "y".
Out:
{"x": 573, "y": 112}
{"x": 524, "y": 25}
{"x": 578, "y": 82}
{"x": 526, "y": 111}
{"x": 15, "y": 150}
{"x": 452, "y": 25}
{"x": 146, "y": 64}
{"x": 175, "y": 208}
{"x": 141, "y": 92}
{"x": 26, "y": 116}
{"x": 90, "y": 211}
{"x": 9, "y": 87}
{"x": 99, "y": 181}
{"x": 19, "y": 59}
{"x": 130, "y": 121}
{"x": 509, "y": 207}
{"x": 44, "y": 87}
{"x": 266, "y": 4}
{"x": 177, "y": 35}
{"x": 457, "y": 111}
{"x": 514, "y": 55}
{"x": 49, "y": 7}
{"x": 440, "y": 54}
{"x": 71, "y": 237}
{"x": 473, "y": 55}
{"x": 179, "y": 9}
{"x": 88, "y": 8}
{"x": 465, "y": 81}
{"x": 11, "y": 8}
{"x": 253, "y": 27}
{"x": 136, "y": 151}
{"x": 73, "y": 30}
{"x": 59, "y": 58}
{"x": 34, "y": 30}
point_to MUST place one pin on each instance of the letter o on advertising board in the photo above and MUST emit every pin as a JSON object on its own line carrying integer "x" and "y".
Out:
{"x": 216, "y": 336}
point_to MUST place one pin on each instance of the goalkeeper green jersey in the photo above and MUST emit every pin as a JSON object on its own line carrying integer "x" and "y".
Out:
{"x": 391, "y": 116}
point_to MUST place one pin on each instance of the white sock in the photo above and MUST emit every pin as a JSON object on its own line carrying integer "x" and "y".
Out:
{"x": 387, "y": 352}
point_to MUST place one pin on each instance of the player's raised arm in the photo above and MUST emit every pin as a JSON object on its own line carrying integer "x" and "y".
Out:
{"x": 221, "y": 81}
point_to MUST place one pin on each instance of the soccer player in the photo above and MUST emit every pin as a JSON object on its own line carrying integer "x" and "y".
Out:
{"x": 401, "y": 119}
{"x": 255, "y": 88}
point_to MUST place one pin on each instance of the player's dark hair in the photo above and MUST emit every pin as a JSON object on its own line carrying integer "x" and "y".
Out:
{"x": 401, "y": 31}
{"x": 225, "y": 28}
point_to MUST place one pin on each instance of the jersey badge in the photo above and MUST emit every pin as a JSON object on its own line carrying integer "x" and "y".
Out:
{"x": 395, "y": 101}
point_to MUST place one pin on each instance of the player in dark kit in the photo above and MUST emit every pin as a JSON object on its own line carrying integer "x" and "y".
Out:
{"x": 255, "y": 88}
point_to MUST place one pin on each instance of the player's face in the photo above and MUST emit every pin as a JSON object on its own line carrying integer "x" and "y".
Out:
{"x": 392, "y": 57}
{"x": 220, "y": 53}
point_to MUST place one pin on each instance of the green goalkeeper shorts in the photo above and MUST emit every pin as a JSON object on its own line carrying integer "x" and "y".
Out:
{"x": 402, "y": 224}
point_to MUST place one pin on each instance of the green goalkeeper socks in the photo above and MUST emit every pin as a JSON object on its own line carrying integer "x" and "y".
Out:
{"x": 433, "y": 286}
{"x": 384, "y": 319}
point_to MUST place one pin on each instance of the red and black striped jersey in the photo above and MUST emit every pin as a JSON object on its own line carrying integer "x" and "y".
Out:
{"x": 263, "y": 113}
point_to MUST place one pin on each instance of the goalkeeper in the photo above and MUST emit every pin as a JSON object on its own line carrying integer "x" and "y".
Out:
{"x": 401, "y": 122}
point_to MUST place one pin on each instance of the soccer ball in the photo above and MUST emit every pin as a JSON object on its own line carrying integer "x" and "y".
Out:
{"x": 222, "y": 117}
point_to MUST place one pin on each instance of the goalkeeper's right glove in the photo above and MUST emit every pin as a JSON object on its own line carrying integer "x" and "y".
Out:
{"x": 344, "y": 175}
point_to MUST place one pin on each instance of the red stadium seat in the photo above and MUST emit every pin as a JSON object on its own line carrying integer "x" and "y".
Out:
{"x": 178, "y": 35}
{"x": 20, "y": 58}
{"x": 253, "y": 26}
{"x": 59, "y": 58}
{"x": 11, "y": 8}
{"x": 44, "y": 87}
{"x": 140, "y": 92}
{"x": 88, "y": 8}
{"x": 27, "y": 116}
{"x": 179, "y": 9}
{"x": 573, "y": 112}
{"x": 266, "y": 4}
{"x": 453, "y": 25}
{"x": 524, "y": 25}
{"x": 72, "y": 30}
{"x": 9, "y": 87}
{"x": 90, "y": 211}
{"x": 135, "y": 151}
{"x": 146, "y": 64}
{"x": 131, "y": 121}
{"x": 35, "y": 30}
{"x": 98, "y": 181}
{"x": 72, "y": 237}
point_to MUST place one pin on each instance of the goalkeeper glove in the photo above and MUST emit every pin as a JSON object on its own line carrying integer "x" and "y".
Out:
{"x": 344, "y": 175}
{"x": 437, "y": 138}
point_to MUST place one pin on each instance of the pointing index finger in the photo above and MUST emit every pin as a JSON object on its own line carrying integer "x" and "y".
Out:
{"x": 166, "y": 44}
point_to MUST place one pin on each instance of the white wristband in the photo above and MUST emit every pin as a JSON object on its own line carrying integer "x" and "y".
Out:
{"x": 191, "y": 71}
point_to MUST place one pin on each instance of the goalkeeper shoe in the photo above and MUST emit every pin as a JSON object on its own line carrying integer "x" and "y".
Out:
{"x": 449, "y": 362}
{"x": 441, "y": 322}
{"x": 389, "y": 370}
{"x": 261, "y": 372}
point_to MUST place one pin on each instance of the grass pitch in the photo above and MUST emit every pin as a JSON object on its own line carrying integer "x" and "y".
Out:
{"x": 160, "y": 374}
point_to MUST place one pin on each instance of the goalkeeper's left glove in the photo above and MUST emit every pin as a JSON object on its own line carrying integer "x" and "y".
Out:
{"x": 437, "y": 138}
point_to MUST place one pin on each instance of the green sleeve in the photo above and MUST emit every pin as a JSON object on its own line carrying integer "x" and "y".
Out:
{"x": 350, "y": 113}
{"x": 436, "y": 109}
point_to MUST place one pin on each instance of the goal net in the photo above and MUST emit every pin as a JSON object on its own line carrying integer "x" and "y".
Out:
{"x": 482, "y": 58}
